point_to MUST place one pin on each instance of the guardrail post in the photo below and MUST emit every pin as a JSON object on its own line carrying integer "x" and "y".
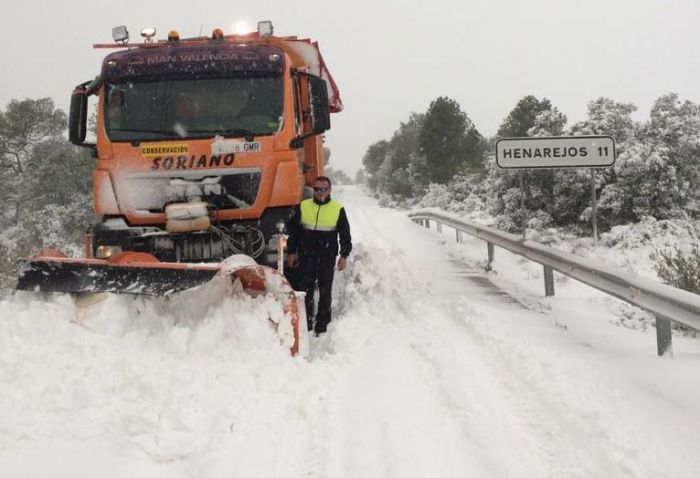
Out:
{"x": 548, "y": 281}
{"x": 439, "y": 226}
{"x": 426, "y": 223}
{"x": 489, "y": 250}
{"x": 459, "y": 235}
{"x": 663, "y": 337}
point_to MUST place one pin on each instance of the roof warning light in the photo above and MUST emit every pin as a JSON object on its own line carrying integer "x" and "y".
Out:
{"x": 120, "y": 34}
{"x": 265, "y": 28}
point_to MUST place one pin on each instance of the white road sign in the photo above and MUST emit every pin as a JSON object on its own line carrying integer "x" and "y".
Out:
{"x": 556, "y": 152}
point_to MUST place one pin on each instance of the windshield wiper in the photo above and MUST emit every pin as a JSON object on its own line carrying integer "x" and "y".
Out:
{"x": 168, "y": 132}
{"x": 246, "y": 133}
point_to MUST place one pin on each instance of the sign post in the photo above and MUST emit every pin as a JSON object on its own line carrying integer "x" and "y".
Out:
{"x": 523, "y": 219}
{"x": 594, "y": 209}
{"x": 557, "y": 152}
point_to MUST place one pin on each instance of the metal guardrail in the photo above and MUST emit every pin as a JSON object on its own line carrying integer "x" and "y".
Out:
{"x": 667, "y": 303}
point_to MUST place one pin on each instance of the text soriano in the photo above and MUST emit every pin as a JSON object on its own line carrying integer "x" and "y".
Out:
{"x": 556, "y": 152}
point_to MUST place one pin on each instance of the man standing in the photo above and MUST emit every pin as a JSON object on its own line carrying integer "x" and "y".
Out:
{"x": 314, "y": 232}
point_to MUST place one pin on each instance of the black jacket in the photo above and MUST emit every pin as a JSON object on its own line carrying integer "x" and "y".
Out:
{"x": 324, "y": 242}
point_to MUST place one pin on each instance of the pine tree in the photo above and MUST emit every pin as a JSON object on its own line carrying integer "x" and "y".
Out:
{"x": 396, "y": 178}
{"x": 24, "y": 125}
{"x": 611, "y": 118}
{"x": 529, "y": 117}
{"x": 608, "y": 117}
{"x": 44, "y": 180}
{"x": 450, "y": 142}
{"x": 656, "y": 173}
{"x": 522, "y": 117}
{"x": 373, "y": 160}
{"x": 675, "y": 125}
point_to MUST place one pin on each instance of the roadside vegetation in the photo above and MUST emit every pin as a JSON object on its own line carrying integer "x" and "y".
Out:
{"x": 439, "y": 159}
{"x": 44, "y": 184}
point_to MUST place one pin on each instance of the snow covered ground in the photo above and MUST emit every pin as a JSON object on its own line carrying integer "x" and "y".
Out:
{"x": 431, "y": 367}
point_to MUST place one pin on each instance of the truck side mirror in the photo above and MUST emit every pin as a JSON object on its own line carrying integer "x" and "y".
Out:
{"x": 320, "y": 108}
{"x": 77, "y": 118}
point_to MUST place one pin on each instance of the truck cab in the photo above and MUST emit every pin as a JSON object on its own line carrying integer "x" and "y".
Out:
{"x": 204, "y": 146}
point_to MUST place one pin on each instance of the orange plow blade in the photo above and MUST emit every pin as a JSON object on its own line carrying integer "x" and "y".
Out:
{"x": 143, "y": 274}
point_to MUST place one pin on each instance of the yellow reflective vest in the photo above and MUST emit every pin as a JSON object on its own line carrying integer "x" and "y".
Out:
{"x": 320, "y": 217}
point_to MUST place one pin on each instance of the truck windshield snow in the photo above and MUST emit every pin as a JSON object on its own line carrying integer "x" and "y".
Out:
{"x": 196, "y": 108}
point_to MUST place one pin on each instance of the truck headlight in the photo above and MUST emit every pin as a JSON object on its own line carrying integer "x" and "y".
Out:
{"x": 105, "y": 252}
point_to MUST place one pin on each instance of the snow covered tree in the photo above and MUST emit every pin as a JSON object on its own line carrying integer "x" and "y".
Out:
{"x": 647, "y": 184}
{"x": 608, "y": 117}
{"x": 675, "y": 126}
{"x": 373, "y": 160}
{"x": 45, "y": 181}
{"x": 571, "y": 197}
{"x": 450, "y": 142}
{"x": 338, "y": 176}
{"x": 605, "y": 117}
{"x": 361, "y": 177}
{"x": 388, "y": 163}
{"x": 530, "y": 117}
{"x": 549, "y": 122}
{"x": 568, "y": 189}
{"x": 657, "y": 171}
{"x": 403, "y": 147}
{"x": 23, "y": 126}
{"x": 552, "y": 187}
{"x": 522, "y": 118}
{"x": 58, "y": 171}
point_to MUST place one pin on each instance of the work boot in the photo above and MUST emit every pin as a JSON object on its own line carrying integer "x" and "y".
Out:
{"x": 320, "y": 329}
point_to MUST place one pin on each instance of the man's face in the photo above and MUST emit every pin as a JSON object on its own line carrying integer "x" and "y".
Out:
{"x": 321, "y": 190}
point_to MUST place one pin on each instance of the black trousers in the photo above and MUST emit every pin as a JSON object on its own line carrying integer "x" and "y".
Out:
{"x": 317, "y": 269}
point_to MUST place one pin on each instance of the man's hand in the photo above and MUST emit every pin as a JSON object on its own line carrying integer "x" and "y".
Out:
{"x": 342, "y": 262}
{"x": 292, "y": 260}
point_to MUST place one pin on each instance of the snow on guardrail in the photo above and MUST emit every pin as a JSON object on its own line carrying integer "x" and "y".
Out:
{"x": 664, "y": 301}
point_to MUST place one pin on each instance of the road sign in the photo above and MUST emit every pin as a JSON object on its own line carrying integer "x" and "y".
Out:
{"x": 555, "y": 152}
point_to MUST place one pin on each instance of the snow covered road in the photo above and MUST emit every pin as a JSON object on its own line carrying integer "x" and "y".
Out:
{"x": 428, "y": 369}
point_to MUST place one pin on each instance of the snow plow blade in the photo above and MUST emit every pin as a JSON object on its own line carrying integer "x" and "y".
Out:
{"x": 87, "y": 275}
{"x": 142, "y": 274}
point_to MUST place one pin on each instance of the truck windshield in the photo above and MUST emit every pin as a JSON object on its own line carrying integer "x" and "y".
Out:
{"x": 193, "y": 108}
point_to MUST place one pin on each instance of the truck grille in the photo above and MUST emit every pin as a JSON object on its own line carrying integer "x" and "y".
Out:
{"x": 225, "y": 189}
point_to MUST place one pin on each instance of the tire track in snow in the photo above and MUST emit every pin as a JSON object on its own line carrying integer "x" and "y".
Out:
{"x": 404, "y": 304}
{"x": 509, "y": 415}
{"x": 570, "y": 406}
{"x": 419, "y": 335}
{"x": 515, "y": 417}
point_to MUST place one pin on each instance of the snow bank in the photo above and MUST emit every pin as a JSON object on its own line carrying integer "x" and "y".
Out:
{"x": 428, "y": 369}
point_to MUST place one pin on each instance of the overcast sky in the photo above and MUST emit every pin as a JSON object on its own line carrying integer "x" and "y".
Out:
{"x": 391, "y": 58}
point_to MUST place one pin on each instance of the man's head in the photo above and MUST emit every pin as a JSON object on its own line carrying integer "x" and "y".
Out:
{"x": 116, "y": 98}
{"x": 322, "y": 188}
{"x": 115, "y": 105}
{"x": 237, "y": 99}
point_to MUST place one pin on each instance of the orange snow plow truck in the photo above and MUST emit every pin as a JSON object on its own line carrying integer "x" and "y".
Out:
{"x": 203, "y": 148}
